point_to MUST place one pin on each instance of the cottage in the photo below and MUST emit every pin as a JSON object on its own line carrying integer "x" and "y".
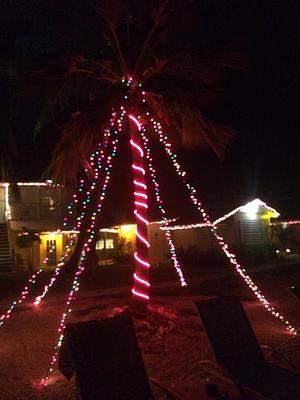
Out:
{"x": 247, "y": 225}
{"x": 30, "y": 217}
{"x": 31, "y": 230}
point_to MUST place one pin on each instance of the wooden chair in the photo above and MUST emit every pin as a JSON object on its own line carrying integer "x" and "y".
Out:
{"x": 239, "y": 354}
{"x": 107, "y": 361}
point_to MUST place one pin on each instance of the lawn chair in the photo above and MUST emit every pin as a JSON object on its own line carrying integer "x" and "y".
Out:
{"x": 107, "y": 361}
{"x": 238, "y": 352}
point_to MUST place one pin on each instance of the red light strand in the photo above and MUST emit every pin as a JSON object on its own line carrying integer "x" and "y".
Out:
{"x": 140, "y": 184}
{"x": 139, "y": 169}
{"x": 140, "y": 294}
{"x": 141, "y": 261}
{"x": 141, "y": 275}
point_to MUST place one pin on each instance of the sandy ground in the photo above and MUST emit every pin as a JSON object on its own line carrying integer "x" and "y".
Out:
{"x": 27, "y": 339}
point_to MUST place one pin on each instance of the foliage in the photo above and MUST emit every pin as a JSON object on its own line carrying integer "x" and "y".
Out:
{"x": 193, "y": 257}
{"x": 283, "y": 237}
{"x": 26, "y": 241}
{"x": 156, "y": 42}
{"x": 122, "y": 253}
{"x": 253, "y": 254}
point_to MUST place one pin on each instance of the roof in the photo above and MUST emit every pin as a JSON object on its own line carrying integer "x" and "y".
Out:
{"x": 250, "y": 208}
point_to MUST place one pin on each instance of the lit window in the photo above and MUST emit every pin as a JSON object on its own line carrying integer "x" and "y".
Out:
{"x": 100, "y": 244}
{"x": 109, "y": 243}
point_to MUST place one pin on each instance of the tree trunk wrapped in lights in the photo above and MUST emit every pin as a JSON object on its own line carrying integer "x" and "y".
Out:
{"x": 141, "y": 283}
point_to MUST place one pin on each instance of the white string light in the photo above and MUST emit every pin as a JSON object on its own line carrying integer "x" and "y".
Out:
{"x": 244, "y": 208}
{"x": 101, "y": 156}
{"x": 160, "y": 205}
{"x": 232, "y": 258}
{"x": 85, "y": 251}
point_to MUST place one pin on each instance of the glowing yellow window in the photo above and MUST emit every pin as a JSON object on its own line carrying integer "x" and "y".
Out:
{"x": 109, "y": 243}
{"x": 100, "y": 244}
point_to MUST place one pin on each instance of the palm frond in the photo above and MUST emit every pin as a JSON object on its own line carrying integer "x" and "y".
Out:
{"x": 180, "y": 114}
{"x": 79, "y": 137}
{"x": 66, "y": 91}
{"x": 186, "y": 67}
{"x": 233, "y": 56}
{"x": 167, "y": 17}
{"x": 160, "y": 39}
{"x": 113, "y": 13}
{"x": 198, "y": 69}
{"x": 197, "y": 130}
{"x": 103, "y": 70}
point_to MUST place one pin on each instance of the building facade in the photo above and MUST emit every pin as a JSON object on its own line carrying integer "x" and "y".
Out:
{"x": 31, "y": 221}
{"x": 31, "y": 215}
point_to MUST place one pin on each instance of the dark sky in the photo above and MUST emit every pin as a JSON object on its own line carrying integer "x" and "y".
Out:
{"x": 261, "y": 103}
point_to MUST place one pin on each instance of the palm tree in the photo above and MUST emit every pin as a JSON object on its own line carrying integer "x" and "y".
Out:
{"x": 153, "y": 42}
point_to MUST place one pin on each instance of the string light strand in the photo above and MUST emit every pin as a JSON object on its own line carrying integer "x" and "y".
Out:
{"x": 160, "y": 204}
{"x": 81, "y": 264}
{"x": 232, "y": 258}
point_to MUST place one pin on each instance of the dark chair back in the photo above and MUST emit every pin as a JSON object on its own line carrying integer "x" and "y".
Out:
{"x": 295, "y": 291}
{"x": 107, "y": 360}
{"x": 230, "y": 334}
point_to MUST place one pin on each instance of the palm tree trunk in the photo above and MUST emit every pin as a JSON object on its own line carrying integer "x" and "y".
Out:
{"x": 141, "y": 285}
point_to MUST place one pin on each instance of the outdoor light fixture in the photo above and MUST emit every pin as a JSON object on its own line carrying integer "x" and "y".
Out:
{"x": 251, "y": 209}
{"x": 127, "y": 228}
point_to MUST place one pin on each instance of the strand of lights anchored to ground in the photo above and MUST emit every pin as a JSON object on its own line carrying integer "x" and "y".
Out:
{"x": 162, "y": 209}
{"x": 232, "y": 258}
{"x": 21, "y": 298}
{"x": 100, "y": 157}
{"x": 32, "y": 280}
{"x": 141, "y": 282}
{"x": 70, "y": 208}
{"x": 81, "y": 265}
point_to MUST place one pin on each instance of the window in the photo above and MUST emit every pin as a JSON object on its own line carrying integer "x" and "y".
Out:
{"x": 51, "y": 252}
{"x": 100, "y": 244}
{"x": 109, "y": 243}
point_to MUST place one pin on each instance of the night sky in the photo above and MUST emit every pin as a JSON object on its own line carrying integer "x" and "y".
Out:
{"x": 261, "y": 104}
